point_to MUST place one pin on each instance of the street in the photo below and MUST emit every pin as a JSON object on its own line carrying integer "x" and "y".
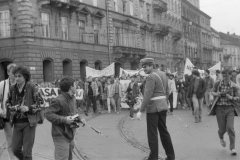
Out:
{"x": 126, "y": 139}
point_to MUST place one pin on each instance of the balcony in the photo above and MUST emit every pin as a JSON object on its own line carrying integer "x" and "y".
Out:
{"x": 159, "y": 5}
{"x": 123, "y": 53}
{"x": 161, "y": 30}
{"x": 177, "y": 35}
{"x": 67, "y": 4}
{"x": 128, "y": 50}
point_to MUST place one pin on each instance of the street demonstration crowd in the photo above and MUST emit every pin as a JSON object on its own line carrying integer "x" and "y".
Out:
{"x": 23, "y": 106}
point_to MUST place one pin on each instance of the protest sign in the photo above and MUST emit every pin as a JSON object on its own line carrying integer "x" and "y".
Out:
{"x": 48, "y": 94}
{"x": 79, "y": 94}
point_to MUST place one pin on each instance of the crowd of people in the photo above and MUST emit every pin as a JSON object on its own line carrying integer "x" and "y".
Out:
{"x": 22, "y": 103}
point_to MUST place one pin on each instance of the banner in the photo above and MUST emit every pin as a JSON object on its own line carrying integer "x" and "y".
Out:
{"x": 108, "y": 71}
{"x": 79, "y": 94}
{"x": 124, "y": 73}
{"x": 92, "y": 72}
{"x": 188, "y": 67}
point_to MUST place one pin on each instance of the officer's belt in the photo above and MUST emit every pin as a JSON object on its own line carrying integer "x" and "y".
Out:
{"x": 158, "y": 98}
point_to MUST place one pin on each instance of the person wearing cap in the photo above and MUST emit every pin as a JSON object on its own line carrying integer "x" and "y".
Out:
{"x": 156, "y": 105}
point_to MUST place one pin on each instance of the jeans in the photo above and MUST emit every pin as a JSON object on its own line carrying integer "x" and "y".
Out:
{"x": 156, "y": 122}
{"x": 117, "y": 99}
{"x": 23, "y": 140}
{"x": 91, "y": 100}
{"x": 170, "y": 99}
{"x": 225, "y": 120}
{"x": 197, "y": 105}
{"x": 8, "y": 131}
{"x": 63, "y": 148}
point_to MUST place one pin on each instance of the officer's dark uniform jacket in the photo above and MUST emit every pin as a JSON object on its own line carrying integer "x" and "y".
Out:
{"x": 155, "y": 93}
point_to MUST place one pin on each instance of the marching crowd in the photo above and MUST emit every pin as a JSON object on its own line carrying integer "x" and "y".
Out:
{"x": 21, "y": 104}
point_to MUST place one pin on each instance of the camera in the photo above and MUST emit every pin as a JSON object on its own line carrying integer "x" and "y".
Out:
{"x": 76, "y": 121}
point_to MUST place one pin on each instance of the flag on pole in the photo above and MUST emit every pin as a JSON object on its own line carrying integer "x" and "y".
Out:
{"x": 188, "y": 67}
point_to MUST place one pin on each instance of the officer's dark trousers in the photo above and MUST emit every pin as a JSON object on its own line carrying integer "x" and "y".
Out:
{"x": 156, "y": 122}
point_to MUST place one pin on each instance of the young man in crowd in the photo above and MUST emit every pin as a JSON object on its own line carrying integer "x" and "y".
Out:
{"x": 60, "y": 114}
{"x": 197, "y": 91}
{"x": 225, "y": 93}
{"x": 22, "y": 103}
{"x": 172, "y": 89}
{"x": 156, "y": 105}
{"x": 117, "y": 94}
{"x": 4, "y": 91}
{"x": 209, "y": 86}
{"x": 132, "y": 94}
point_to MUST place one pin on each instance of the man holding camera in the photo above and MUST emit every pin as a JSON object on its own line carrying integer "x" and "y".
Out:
{"x": 225, "y": 108}
{"x": 61, "y": 113}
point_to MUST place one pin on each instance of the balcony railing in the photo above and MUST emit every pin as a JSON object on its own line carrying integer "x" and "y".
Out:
{"x": 68, "y": 4}
{"x": 128, "y": 50}
{"x": 159, "y": 5}
{"x": 177, "y": 35}
{"x": 161, "y": 29}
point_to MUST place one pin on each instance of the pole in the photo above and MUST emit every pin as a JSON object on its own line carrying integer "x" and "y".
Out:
{"x": 108, "y": 41}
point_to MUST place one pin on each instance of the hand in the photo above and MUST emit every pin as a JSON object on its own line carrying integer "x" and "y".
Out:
{"x": 83, "y": 121}
{"x": 24, "y": 108}
{"x": 138, "y": 116}
{"x": 69, "y": 120}
{"x": 2, "y": 113}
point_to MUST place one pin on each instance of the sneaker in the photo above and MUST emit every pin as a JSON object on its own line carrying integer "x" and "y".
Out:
{"x": 233, "y": 152}
{"x": 222, "y": 142}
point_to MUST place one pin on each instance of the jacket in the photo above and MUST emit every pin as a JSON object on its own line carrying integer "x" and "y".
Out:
{"x": 113, "y": 88}
{"x": 4, "y": 95}
{"x": 30, "y": 98}
{"x": 94, "y": 87}
{"x": 155, "y": 87}
{"x": 61, "y": 107}
{"x": 235, "y": 103}
{"x": 200, "y": 90}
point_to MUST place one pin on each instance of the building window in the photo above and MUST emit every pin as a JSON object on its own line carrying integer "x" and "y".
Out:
{"x": 4, "y": 24}
{"x": 64, "y": 27}
{"x": 124, "y": 6}
{"x": 148, "y": 13}
{"x": 45, "y": 25}
{"x": 81, "y": 25}
{"x": 131, "y": 7}
{"x": 95, "y": 3}
{"x": 96, "y": 27}
{"x": 115, "y": 3}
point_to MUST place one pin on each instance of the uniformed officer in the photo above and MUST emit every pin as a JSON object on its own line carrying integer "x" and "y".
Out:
{"x": 156, "y": 105}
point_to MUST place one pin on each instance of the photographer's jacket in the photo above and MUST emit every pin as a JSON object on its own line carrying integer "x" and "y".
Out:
{"x": 29, "y": 96}
{"x": 230, "y": 89}
{"x": 61, "y": 107}
{"x": 155, "y": 93}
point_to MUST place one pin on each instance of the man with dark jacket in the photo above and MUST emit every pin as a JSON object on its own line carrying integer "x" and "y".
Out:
{"x": 60, "y": 113}
{"x": 24, "y": 116}
{"x": 156, "y": 105}
{"x": 197, "y": 91}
